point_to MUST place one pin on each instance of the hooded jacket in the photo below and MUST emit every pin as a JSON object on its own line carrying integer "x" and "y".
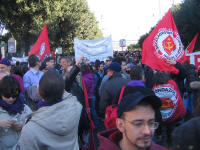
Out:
{"x": 53, "y": 127}
{"x": 9, "y": 137}
{"x": 109, "y": 141}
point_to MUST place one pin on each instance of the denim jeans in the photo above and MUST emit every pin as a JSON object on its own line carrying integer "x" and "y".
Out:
{"x": 94, "y": 114}
{"x": 188, "y": 100}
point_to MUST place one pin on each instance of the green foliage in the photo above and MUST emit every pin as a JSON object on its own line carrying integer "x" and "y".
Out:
{"x": 5, "y": 37}
{"x": 65, "y": 20}
{"x": 187, "y": 19}
{"x": 133, "y": 46}
{"x": 141, "y": 40}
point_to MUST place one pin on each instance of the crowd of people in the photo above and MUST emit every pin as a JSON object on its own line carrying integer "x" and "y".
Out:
{"x": 115, "y": 104}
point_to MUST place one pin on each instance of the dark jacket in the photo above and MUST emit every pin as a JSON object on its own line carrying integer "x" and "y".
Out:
{"x": 72, "y": 86}
{"x": 71, "y": 78}
{"x": 148, "y": 72}
{"x": 109, "y": 141}
{"x": 191, "y": 76}
{"x": 110, "y": 91}
{"x": 179, "y": 78}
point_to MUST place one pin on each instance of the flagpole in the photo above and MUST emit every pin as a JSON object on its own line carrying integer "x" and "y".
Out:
{"x": 159, "y": 9}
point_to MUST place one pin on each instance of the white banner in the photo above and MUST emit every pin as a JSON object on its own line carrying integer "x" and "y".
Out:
{"x": 194, "y": 58}
{"x": 93, "y": 49}
{"x": 23, "y": 59}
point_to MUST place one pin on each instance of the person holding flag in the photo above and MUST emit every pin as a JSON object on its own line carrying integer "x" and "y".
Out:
{"x": 162, "y": 44}
{"x": 178, "y": 78}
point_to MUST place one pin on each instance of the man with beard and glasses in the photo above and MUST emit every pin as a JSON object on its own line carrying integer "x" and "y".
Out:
{"x": 136, "y": 122}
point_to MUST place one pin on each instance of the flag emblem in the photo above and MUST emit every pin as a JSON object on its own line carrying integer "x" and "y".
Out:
{"x": 42, "y": 48}
{"x": 168, "y": 44}
{"x": 172, "y": 104}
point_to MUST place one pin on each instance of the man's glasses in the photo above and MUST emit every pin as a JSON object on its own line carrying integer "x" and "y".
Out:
{"x": 140, "y": 124}
{"x": 108, "y": 60}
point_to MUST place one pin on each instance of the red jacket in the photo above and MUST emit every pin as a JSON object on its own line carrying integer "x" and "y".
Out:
{"x": 108, "y": 141}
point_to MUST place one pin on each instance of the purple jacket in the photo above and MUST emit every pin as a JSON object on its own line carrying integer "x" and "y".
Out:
{"x": 109, "y": 139}
{"x": 88, "y": 77}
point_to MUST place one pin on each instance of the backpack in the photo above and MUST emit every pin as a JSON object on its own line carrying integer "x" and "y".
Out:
{"x": 172, "y": 108}
{"x": 32, "y": 98}
{"x": 111, "y": 113}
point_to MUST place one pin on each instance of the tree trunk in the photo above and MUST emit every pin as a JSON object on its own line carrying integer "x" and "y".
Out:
{"x": 27, "y": 46}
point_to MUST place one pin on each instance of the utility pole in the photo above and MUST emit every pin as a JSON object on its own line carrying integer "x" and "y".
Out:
{"x": 172, "y": 3}
{"x": 159, "y": 11}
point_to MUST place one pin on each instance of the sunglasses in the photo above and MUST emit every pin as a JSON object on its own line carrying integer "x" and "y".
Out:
{"x": 8, "y": 95}
{"x": 108, "y": 60}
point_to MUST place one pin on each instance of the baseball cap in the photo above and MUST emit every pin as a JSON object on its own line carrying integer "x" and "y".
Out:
{"x": 135, "y": 96}
{"x": 114, "y": 66}
{"x": 5, "y": 61}
{"x": 187, "y": 135}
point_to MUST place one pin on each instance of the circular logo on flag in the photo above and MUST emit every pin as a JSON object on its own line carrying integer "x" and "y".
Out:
{"x": 169, "y": 100}
{"x": 168, "y": 44}
{"x": 42, "y": 49}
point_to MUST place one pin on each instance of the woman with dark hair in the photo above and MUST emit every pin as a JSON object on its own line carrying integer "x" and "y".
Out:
{"x": 91, "y": 81}
{"x": 13, "y": 112}
{"x": 160, "y": 78}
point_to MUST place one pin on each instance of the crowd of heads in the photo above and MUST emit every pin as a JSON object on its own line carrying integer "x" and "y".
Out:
{"x": 139, "y": 108}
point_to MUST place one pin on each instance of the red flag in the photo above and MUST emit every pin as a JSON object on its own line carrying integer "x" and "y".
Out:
{"x": 163, "y": 43}
{"x": 190, "y": 47}
{"x": 41, "y": 47}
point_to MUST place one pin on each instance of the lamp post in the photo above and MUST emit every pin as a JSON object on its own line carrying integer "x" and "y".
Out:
{"x": 122, "y": 43}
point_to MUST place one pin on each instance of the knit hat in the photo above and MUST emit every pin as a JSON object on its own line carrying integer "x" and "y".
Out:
{"x": 187, "y": 136}
{"x": 114, "y": 66}
{"x": 5, "y": 61}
